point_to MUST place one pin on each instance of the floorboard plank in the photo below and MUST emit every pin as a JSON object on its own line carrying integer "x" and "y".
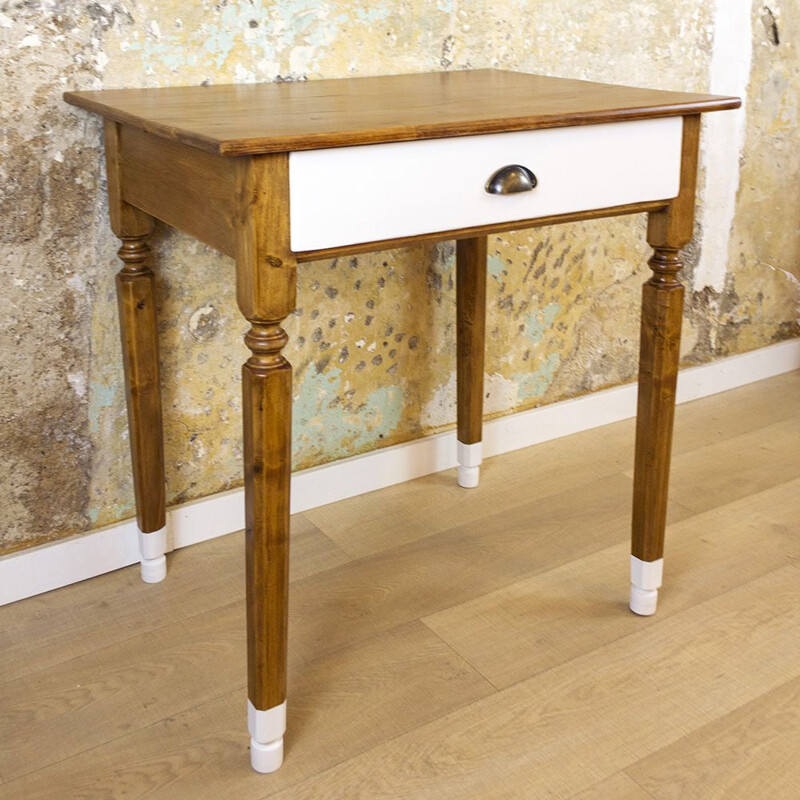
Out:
{"x": 364, "y": 526}
{"x": 339, "y": 706}
{"x": 752, "y": 461}
{"x": 749, "y": 754}
{"x": 67, "y": 623}
{"x": 549, "y": 618}
{"x": 376, "y": 522}
{"x": 618, "y": 787}
{"x": 373, "y": 594}
{"x": 736, "y": 412}
{"x": 572, "y": 726}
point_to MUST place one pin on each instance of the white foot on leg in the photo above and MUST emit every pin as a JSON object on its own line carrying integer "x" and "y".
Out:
{"x": 152, "y": 547}
{"x": 266, "y": 736}
{"x": 645, "y": 581}
{"x": 266, "y": 758}
{"x": 469, "y": 464}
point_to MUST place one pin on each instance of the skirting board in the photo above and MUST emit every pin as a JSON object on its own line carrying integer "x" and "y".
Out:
{"x": 41, "y": 569}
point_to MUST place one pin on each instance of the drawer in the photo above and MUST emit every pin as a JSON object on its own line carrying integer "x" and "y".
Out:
{"x": 366, "y": 193}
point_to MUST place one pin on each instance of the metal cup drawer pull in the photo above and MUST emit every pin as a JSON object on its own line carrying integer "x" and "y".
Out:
{"x": 511, "y": 179}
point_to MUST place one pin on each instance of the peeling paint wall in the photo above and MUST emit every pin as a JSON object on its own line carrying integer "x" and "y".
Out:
{"x": 761, "y": 296}
{"x": 373, "y": 339}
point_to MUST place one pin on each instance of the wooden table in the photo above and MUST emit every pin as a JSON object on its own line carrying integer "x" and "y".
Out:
{"x": 277, "y": 174}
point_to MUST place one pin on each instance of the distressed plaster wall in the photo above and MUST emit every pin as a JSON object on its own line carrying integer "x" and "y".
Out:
{"x": 373, "y": 340}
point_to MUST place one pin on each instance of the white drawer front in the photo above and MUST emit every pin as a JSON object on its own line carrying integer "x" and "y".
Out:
{"x": 366, "y": 193}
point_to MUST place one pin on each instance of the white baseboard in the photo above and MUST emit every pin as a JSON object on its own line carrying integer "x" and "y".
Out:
{"x": 41, "y": 569}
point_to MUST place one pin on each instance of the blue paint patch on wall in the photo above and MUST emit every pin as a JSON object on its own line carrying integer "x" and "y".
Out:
{"x": 372, "y": 14}
{"x": 100, "y": 397}
{"x": 496, "y": 265}
{"x": 381, "y": 414}
{"x": 537, "y": 322}
{"x": 322, "y": 426}
{"x": 533, "y": 385}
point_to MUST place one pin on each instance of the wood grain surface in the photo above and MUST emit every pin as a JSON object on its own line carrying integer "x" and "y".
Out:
{"x": 180, "y": 185}
{"x": 471, "y": 270}
{"x": 560, "y": 731}
{"x": 659, "y": 354}
{"x": 749, "y": 753}
{"x": 272, "y": 117}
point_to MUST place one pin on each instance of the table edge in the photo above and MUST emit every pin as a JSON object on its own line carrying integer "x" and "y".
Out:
{"x": 347, "y": 138}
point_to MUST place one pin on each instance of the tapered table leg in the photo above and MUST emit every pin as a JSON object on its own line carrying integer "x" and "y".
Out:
{"x": 470, "y": 343}
{"x": 137, "y": 315}
{"x": 267, "y": 411}
{"x": 266, "y": 286}
{"x": 662, "y": 312}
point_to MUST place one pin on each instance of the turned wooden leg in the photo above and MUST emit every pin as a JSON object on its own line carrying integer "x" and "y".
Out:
{"x": 266, "y": 288}
{"x": 137, "y": 316}
{"x": 662, "y": 314}
{"x": 267, "y": 411}
{"x": 668, "y": 230}
{"x": 470, "y": 335}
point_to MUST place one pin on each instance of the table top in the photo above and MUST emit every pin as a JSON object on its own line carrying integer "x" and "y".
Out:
{"x": 255, "y": 118}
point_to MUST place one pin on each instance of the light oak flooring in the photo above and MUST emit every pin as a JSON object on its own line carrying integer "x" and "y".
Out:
{"x": 451, "y": 643}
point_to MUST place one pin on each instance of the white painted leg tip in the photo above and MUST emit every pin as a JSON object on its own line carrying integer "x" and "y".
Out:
{"x": 154, "y": 570}
{"x": 643, "y": 601}
{"x": 268, "y": 757}
{"x": 469, "y": 457}
{"x": 468, "y": 477}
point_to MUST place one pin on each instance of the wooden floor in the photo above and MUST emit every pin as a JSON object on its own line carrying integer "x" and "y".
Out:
{"x": 451, "y": 643}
